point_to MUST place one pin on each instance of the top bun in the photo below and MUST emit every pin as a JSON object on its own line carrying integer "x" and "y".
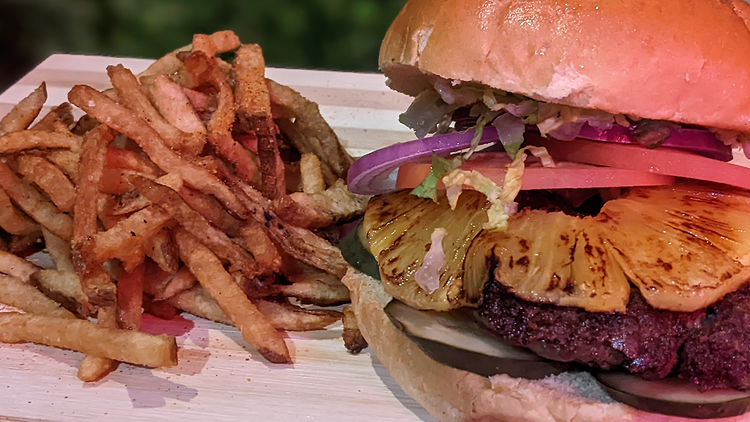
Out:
{"x": 681, "y": 60}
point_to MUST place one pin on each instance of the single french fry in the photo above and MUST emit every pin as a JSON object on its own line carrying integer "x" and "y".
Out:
{"x": 218, "y": 42}
{"x": 282, "y": 315}
{"x": 120, "y": 158}
{"x": 22, "y": 295}
{"x": 130, "y": 202}
{"x": 207, "y": 268}
{"x": 23, "y": 113}
{"x": 60, "y": 118}
{"x": 216, "y": 240}
{"x": 130, "y": 299}
{"x": 94, "y": 154}
{"x": 126, "y": 236}
{"x": 93, "y": 368}
{"x": 112, "y": 114}
{"x": 12, "y": 220}
{"x": 38, "y": 139}
{"x": 122, "y": 345}
{"x": 59, "y": 250}
{"x": 317, "y": 292}
{"x": 236, "y": 154}
{"x": 16, "y": 266}
{"x": 354, "y": 341}
{"x": 311, "y": 174}
{"x": 49, "y": 178}
{"x": 174, "y": 105}
{"x": 260, "y": 245}
{"x": 64, "y": 287}
{"x": 162, "y": 250}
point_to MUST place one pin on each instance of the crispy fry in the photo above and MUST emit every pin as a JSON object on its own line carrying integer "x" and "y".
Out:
{"x": 21, "y": 116}
{"x": 38, "y": 139}
{"x": 174, "y": 105}
{"x": 130, "y": 202}
{"x": 121, "y": 119}
{"x": 16, "y": 266}
{"x": 26, "y": 244}
{"x": 318, "y": 137}
{"x": 272, "y": 177}
{"x": 311, "y": 174}
{"x": 211, "y": 210}
{"x": 48, "y": 177}
{"x": 23, "y": 296}
{"x": 354, "y": 341}
{"x": 260, "y": 245}
{"x": 199, "y": 100}
{"x": 127, "y": 236}
{"x": 64, "y": 287}
{"x": 333, "y": 205}
{"x": 218, "y": 42}
{"x": 12, "y": 220}
{"x": 92, "y": 164}
{"x": 60, "y": 118}
{"x": 130, "y": 299}
{"x": 206, "y": 69}
{"x": 132, "y": 96}
{"x": 35, "y": 205}
{"x": 285, "y": 316}
{"x": 182, "y": 280}
{"x": 282, "y": 315}
{"x": 115, "y": 181}
{"x": 67, "y": 161}
{"x": 236, "y": 154}
{"x": 317, "y": 292}
{"x": 120, "y": 158}
{"x": 84, "y": 336}
{"x": 216, "y": 240}
{"x": 59, "y": 250}
{"x": 255, "y": 329}
{"x": 92, "y": 367}
{"x": 251, "y": 93}
{"x": 162, "y": 250}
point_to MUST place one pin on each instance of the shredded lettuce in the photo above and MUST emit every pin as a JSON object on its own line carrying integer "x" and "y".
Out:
{"x": 501, "y": 198}
{"x": 440, "y": 167}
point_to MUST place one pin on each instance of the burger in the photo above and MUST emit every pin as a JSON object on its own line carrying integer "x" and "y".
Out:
{"x": 576, "y": 198}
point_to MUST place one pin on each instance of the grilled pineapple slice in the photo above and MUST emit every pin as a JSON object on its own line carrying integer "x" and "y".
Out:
{"x": 551, "y": 257}
{"x": 399, "y": 226}
{"x": 685, "y": 246}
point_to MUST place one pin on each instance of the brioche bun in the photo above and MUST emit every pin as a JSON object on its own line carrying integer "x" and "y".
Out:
{"x": 681, "y": 60}
{"x": 454, "y": 395}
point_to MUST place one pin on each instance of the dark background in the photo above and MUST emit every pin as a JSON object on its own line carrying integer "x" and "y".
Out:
{"x": 315, "y": 34}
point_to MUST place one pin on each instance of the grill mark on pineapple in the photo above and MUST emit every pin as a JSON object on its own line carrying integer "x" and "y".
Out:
{"x": 554, "y": 282}
{"x": 523, "y": 261}
{"x": 726, "y": 276}
{"x": 665, "y": 265}
{"x": 523, "y": 245}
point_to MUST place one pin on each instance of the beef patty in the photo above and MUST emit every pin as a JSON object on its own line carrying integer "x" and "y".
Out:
{"x": 709, "y": 347}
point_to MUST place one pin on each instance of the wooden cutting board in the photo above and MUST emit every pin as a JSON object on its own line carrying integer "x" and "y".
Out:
{"x": 217, "y": 377}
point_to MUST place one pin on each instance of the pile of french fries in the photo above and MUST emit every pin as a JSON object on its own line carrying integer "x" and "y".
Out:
{"x": 197, "y": 186}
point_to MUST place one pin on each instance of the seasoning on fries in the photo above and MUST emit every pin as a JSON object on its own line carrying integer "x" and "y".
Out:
{"x": 171, "y": 195}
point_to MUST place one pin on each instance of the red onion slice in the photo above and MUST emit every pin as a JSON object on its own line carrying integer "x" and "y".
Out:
{"x": 699, "y": 141}
{"x": 374, "y": 173}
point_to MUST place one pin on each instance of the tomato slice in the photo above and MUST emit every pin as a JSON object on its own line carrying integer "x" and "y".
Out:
{"x": 566, "y": 175}
{"x": 662, "y": 161}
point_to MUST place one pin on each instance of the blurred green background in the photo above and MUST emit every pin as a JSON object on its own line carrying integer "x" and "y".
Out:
{"x": 317, "y": 34}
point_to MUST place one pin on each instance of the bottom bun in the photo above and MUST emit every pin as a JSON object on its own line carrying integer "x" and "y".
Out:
{"x": 454, "y": 395}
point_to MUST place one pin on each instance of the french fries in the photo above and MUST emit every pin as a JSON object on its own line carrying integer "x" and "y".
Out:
{"x": 170, "y": 195}
{"x": 21, "y": 116}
